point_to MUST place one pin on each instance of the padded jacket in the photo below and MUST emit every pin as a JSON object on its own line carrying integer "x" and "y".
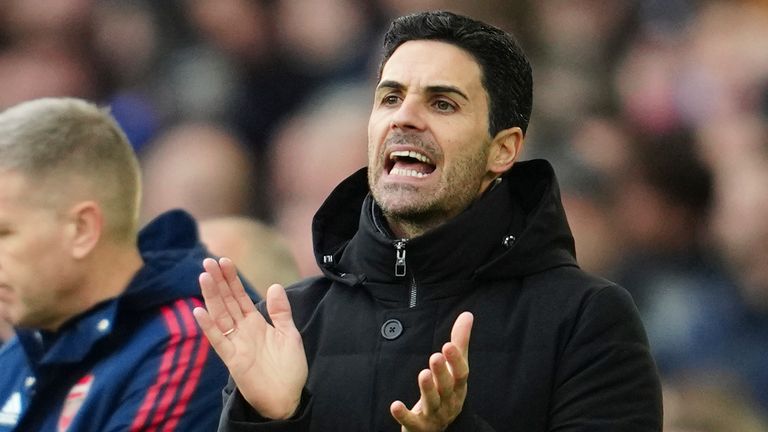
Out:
{"x": 552, "y": 347}
{"x": 137, "y": 362}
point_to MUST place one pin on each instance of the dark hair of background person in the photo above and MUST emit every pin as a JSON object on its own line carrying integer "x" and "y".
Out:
{"x": 670, "y": 164}
{"x": 506, "y": 72}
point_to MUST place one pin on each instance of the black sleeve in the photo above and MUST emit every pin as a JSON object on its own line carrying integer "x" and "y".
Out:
{"x": 467, "y": 421}
{"x": 606, "y": 379}
{"x": 239, "y": 416}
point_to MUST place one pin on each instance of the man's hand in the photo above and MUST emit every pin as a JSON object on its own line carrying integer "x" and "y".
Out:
{"x": 443, "y": 386}
{"x": 266, "y": 362}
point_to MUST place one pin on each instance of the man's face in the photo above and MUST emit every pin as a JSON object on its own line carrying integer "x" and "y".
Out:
{"x": 33, "y": 261}
{"x": 428, "y": 140}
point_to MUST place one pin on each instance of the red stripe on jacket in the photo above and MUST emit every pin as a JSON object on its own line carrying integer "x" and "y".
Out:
{"x": 194, "y": 377}
{"x": 166, "y": 365}
{"x": 180, "y": 367}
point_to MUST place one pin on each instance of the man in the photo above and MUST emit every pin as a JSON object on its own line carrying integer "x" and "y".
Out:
{"x": 105, "y": 335}
{"x": 452, "y": 241}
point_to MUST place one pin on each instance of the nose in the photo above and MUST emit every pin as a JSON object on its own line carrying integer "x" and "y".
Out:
{"x": 409, "y": 115}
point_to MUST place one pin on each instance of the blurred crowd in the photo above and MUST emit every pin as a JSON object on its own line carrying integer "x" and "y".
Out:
{"x": 654, "y": 113}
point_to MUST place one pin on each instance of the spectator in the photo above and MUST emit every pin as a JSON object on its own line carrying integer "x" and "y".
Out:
{"x": 711, "y": 404}
{"x": 680, "y": 286}
{"x": 201, "y": 168}
{"x": 258, "y": 250}
{"x": 313, "y": 138}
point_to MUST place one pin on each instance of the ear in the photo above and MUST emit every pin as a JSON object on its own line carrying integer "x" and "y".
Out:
{"x": 505, "y": 148}
{"x": 86, "y": 224}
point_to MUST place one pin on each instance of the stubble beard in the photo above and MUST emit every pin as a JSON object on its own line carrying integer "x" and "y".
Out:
{"x": 417, "y": 209}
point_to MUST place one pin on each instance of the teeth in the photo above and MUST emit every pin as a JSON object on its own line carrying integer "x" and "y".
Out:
{"x": 411, "y": 154}
{"x": 406, "y": 173}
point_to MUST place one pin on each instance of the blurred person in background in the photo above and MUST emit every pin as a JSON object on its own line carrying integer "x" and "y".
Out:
{"x": 311, "y": 153}
{"x": 663, "y": 206}
{"x": 741, "y": 232}
{"x": 202, "y": 168}
{"x": 260, "y": 253}
{"x": 130, "y": 40}
{"x": 710, "y": 404}
{"x": 33, "y": 73}
{"x": 330, "y": 39}
{"x": 588, "y": 202}
{"x": 707, "y": 76}
{"x": 575, "y": 51}
{"x": 47, "y": 51}
{"x": 232, "y": 49}
{"x": 442, "y": 222}
{"x": 39, "y": 22}
{"x": 105, "y": 338}
{"x": 280, "y": 52}
{"x": 267, "y": 58}
{"x": 711, "y": 67}
{"x": 595, "y": 158}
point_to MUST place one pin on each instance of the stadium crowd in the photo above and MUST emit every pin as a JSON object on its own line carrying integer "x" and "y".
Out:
{"x": 654, "y": 114}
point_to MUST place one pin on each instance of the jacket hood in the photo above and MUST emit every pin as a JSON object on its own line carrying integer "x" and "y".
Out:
{"x": 516, "y": 228}
{"x": 173, "y": 256}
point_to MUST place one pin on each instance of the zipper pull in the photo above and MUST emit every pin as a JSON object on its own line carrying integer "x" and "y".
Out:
{"x": 400, "y": 258}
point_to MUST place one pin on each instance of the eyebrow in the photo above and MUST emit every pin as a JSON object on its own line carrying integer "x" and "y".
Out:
{"x": 430, "y": 89}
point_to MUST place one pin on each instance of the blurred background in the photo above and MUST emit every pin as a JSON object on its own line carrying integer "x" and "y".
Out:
{"x": 654, "y": 113}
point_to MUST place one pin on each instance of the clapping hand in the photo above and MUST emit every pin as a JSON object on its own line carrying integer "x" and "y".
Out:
{"x": 443, "y": 386}
{"x": 267, "y": 362}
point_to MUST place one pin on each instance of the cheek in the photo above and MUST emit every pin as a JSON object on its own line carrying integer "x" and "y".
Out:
{"x": 25, "y": 268}
{"x": 38, "y": 256}
{"x": 453, "y": 148}
{"x": 378, "y": 126}
{"x": 376, "y": 138}
{"x": 467, "y": 161}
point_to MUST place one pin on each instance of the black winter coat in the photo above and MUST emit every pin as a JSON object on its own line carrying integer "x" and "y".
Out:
{"x": 552, "y": 348}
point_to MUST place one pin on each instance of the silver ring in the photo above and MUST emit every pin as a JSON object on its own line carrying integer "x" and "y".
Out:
{"x": 229, "y": 332}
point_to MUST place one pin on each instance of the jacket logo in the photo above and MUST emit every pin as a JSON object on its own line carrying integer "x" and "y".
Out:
{"x": 9, "y": 414}
{"x": 74, "y": 401}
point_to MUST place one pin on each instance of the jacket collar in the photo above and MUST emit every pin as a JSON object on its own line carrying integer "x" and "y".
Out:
{"x": 172, "y": 257}
{"x": 515, "y": 229}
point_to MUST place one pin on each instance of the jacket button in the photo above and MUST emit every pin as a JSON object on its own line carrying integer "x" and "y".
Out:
{"x": 392, "y": 329}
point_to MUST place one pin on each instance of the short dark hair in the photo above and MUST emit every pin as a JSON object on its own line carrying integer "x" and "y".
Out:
{"x": 506, "y": 72}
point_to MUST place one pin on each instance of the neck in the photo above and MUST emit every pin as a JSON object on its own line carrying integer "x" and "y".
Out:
{"x": 404, "y": 228}
{"x": 108, "y": 272}
{"x": 410, "y": 226}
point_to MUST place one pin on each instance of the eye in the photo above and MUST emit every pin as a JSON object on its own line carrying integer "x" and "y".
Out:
{"x": 390, "y": 99}
{"x": 443, "y": 105}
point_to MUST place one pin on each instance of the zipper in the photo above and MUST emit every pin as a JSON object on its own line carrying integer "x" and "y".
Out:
{"x": 412, "y": 300}
{"x": 401, "y": 270}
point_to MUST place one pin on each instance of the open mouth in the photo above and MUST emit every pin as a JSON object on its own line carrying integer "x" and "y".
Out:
{"x": 409, "y": 163}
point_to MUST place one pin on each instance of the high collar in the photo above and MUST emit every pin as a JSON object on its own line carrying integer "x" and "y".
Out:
{"x": 515, "y": 229}
{"x": 172, "y": 255}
